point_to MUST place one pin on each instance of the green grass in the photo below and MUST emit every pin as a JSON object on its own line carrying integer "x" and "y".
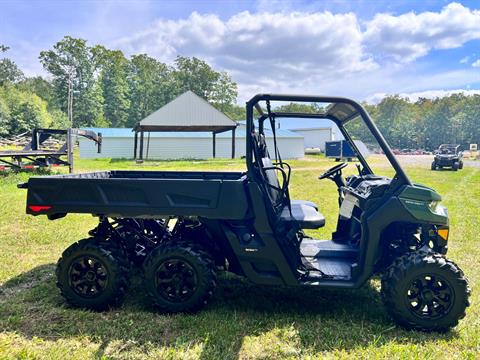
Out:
{"x": 244, "y": 321}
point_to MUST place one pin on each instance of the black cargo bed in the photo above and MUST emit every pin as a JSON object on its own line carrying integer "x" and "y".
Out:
{"x": 219, "y": 195}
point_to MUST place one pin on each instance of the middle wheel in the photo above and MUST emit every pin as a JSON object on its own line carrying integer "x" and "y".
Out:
{"x": 179, "y": 277}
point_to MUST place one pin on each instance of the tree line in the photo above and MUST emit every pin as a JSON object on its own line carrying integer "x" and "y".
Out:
{"x": 99, "y": 87}
{"x": 423, "y": 124}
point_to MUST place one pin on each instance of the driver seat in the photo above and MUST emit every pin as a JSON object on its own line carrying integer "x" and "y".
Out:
{"x": 304, "y": 213}
{"x": 305, "y": 216}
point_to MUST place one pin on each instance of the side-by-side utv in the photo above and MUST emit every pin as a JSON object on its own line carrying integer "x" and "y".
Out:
{"x": 448, "y": 156}
{"x": 184, "y": 227}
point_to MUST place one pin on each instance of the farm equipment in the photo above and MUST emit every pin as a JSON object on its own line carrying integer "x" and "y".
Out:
{"x": 33, "y": 156}
{"x": 182, "y": 228}
{"x": 448, "y": 155}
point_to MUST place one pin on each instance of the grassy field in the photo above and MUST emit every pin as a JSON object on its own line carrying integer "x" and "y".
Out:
{"x": 244, "y": 321}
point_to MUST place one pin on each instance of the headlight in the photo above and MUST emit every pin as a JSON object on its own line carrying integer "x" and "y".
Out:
{"x": 438, "y": 209}
{"x": 433, "y": 205}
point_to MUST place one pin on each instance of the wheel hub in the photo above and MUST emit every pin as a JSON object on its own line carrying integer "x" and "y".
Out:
{"x": 430, "y": 296}
{"x": 88, "y": 276}
{"x": 176, "y": 280}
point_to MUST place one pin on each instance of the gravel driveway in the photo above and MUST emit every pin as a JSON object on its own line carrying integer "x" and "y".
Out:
{"x": 426, "y": 160}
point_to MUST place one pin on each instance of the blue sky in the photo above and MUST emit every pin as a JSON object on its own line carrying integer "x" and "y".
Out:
{"x": 363, "y": 49}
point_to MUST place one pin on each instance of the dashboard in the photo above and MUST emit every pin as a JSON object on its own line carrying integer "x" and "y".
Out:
{"x": 367, "y": 186}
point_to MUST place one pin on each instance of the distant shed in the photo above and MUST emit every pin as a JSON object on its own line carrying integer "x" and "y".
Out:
{"x": 186, "y": 113}
{"x": 315, "y": 132}
{"x": 118, "y": 143}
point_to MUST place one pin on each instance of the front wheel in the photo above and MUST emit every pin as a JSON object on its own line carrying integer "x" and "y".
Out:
{"x": 455, "y": 166}
{"x": 179, "y": 277}
{"x": 434, "y": 166}
{"x": 425, "y": 291}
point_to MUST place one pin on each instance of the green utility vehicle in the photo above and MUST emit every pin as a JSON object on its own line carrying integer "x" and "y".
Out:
{"x": 182, "y": 228}
{"x": 448, "y": 156}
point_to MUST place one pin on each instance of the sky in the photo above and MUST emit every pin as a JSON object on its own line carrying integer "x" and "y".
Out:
{"x": 362, "y": 49}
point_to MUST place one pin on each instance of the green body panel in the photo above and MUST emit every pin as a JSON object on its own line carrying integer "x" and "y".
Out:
{"x": 416, "y": 199}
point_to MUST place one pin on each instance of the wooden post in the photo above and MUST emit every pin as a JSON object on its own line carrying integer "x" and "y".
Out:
{"x": 70, "y": 150}
{"x": 214, "y": 136}
{"x": 148, "y": 145}
{"x": 99, "y": 144}
{"x": 135, "y": 145}
{"x": 141, "y": 146}
{"x": 34, "y": 139}
{"x": 233, "y": 143}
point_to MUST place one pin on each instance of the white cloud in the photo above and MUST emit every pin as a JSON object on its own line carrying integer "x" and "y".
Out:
{"x": 409, "y": 36}
{"x": 465, "y": 60}
{"x": 476, "y": 63}
{"x": 304, "y": 47}
{"x": 317, "y": 52}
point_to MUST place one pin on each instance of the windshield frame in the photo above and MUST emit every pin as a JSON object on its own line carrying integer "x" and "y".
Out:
{"x": 358, "y": 110}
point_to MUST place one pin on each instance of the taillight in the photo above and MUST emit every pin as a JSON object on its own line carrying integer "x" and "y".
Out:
{"x": 38, "y": 208}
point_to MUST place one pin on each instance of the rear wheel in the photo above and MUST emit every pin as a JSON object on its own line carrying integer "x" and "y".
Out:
{"x": 425, "y": 291}
{"x": 93, "y": 275}
{"x": 179, "y": 277}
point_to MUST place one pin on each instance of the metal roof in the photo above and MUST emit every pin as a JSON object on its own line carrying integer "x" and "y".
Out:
{"x": 188, "y": 112}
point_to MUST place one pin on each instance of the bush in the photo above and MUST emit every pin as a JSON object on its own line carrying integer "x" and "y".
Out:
{"x": 4, "y": 117}
{"x": 24, "y": 111}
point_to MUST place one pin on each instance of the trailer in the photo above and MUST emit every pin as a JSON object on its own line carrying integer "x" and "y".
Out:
{"x": 33, "y": 156}
{"x": 339, "y": 150}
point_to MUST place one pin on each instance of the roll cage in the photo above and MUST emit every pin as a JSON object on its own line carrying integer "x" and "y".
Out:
{"x": 340, "y": 111}
{"x": 448, "y": 149}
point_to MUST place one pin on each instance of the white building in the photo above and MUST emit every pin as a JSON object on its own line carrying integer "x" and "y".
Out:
{"x": 118, "y": 143}
{"x": 315, "y": 132}
{"x": 188, "y": 127}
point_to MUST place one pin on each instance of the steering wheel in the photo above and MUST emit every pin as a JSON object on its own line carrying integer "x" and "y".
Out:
{"x": 331, "y": 172}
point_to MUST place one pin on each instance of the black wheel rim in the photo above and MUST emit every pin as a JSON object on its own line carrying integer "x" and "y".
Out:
{"x": 430, "y": 296}
{"x": 88, "y": 276}
{"x": 176, "y": 280}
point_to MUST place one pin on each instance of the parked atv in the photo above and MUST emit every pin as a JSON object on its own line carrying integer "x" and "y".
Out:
{"x": 182, "y": 228}
{"x": 448, "y": 155}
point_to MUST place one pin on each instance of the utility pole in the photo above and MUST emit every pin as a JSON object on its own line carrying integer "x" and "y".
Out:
{"x": 70, "y": 100}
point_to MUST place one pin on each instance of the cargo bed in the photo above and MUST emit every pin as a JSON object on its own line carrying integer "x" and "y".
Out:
{"x": 147, "y": 194}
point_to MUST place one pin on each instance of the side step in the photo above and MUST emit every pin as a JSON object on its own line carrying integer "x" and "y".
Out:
{"x": 311, "y": 248}
{"x": 333, "y": 268}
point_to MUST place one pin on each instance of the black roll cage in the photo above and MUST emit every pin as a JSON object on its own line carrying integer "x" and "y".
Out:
{"x": 254, "y": 103}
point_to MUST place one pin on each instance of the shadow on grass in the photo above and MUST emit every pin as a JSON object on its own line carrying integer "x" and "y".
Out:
{"x": 320, "y": 320}
{"x": 37, "y": 171}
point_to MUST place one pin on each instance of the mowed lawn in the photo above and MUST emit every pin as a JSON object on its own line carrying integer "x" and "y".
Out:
{"x": 243, "y": 321}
